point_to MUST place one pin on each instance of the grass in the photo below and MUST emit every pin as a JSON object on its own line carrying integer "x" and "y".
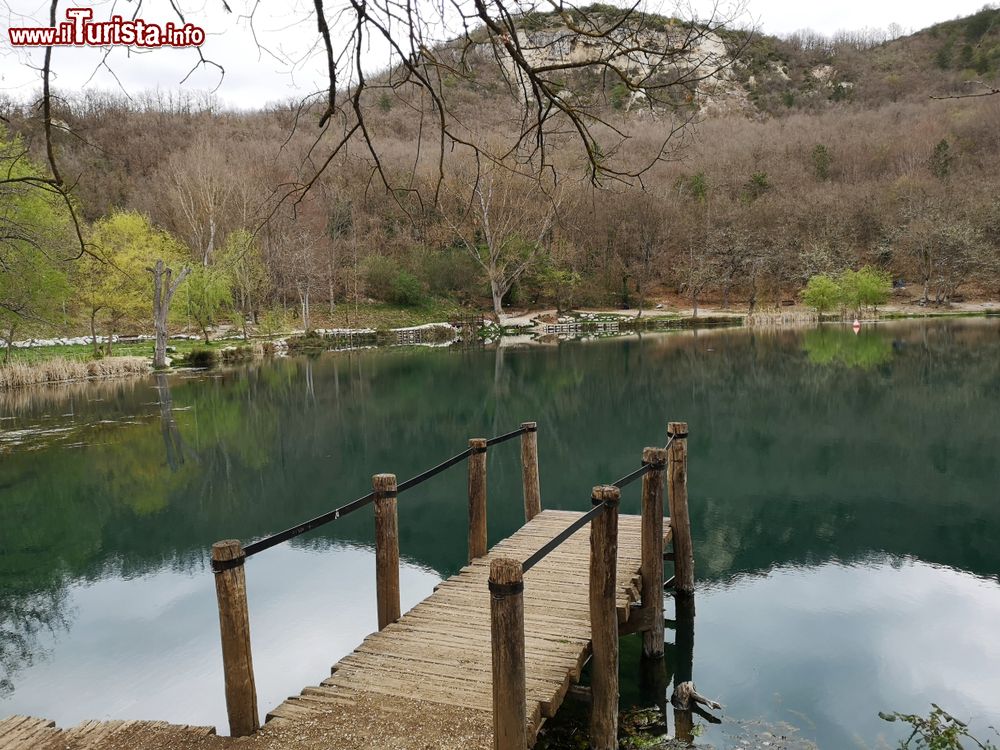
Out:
{"x": 380, "y": 315}
{"x": 61, "y": 370}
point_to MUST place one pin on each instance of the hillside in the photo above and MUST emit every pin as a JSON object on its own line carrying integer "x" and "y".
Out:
{"x": 807, "y": 71}
{"x": 796, "y": 157}
{"x": 751, "y": 72}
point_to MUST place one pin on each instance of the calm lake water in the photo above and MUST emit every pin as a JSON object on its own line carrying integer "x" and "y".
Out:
{"x": 844, "y": 496}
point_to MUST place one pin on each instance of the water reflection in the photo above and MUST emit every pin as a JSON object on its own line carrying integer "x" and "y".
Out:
{"x": 829, "y": 345}
{"x": 799, "y": 459}
{"x": 164, "y": 623}
{"x": 825, "y": 648}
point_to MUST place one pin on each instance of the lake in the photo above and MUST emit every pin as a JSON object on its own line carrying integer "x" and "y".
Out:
{"x": 843, "y": 491}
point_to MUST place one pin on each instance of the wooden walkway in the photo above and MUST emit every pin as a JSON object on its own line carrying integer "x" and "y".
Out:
{"x": 428, "y": 672}
{"x": 28, "y": 733}
{"x": 439, "y": 651}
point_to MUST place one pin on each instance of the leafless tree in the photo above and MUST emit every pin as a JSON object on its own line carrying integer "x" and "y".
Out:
{"x": 163, "y": 293}
{"x": 432, "y": 46}
{"x": 505, "y": 224}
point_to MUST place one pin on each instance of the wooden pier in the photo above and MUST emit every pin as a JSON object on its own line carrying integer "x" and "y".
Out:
{"x": 483, "y": 661}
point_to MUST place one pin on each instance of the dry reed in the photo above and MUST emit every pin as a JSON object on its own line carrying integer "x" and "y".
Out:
{"x": 61, "y": 370}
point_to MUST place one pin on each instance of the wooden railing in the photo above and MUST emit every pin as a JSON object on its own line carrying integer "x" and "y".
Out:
{"x": 229, "y": 557}
{"x": 506, "y": 579}
{"x": 506, "y": 584}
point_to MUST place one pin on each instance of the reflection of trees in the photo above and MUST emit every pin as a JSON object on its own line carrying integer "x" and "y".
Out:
{"x": 782, "y": 470}
{"x": 173, "y": 444}
{"x": 828, "y": 345}
{"x": 24, "y": 616}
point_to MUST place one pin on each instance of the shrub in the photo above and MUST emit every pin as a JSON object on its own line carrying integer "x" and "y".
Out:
{"x": 939, "y": 730}
{"x": 822, "y": 293}
{"x": 378, "y": 275}
{"x": 233, "y": 354}
{"x": 201, "y": 358}
{"x": 273, "y": 322}
{"x": 619, "y": 96}
{"x": 755, "y": 187}
{"x": 406, "y": 290}
{"x": 821, "y": 162}
{"x": 450, "y": 271}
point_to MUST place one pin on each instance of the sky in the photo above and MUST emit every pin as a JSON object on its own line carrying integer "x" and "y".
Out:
{"x": 287, "y": 65}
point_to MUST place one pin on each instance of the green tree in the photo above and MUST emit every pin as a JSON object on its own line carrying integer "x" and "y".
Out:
{"x": 822, "y": 293}
{"x": 244, "y": 264}
{"x": 867, "y": 288}
{"x": 34, "y": 226}
{"x": 941, "y": 160}
{"x": 695, "y": 186}
{"x": 208, "y": 294}
{"x": 113, "y": 284}
{"x": 821, "y": 162}
{"x": 758, "y": 184}
{"x": 560, "y": 284}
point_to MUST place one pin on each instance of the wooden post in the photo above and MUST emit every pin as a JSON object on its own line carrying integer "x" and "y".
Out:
{"x": 507, "y": 639}
{"x": 680, "y": 521}
{"x": 234, "y": 624}
{"x": 386, "y": 549}
{"x": 652, "y": 551}
{"x": 477, "y": 498}
{"x": 604, "y": 620}
{"x": 529, "y": 470}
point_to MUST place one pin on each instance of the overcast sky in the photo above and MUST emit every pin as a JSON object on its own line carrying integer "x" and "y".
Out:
{"x": 291, "y": 68}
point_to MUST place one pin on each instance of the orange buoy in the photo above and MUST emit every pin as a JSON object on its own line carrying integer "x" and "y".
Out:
{"x": 856, "y": 326}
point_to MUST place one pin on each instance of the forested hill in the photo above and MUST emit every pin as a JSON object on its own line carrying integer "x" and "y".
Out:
{"x": 802, "y": 156}
{"x": 763, "y": 74}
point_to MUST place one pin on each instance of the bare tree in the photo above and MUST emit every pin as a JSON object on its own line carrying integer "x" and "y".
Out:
{"x": 505, "y": 225}
{"x": 202, "y": 195}
{"x": 163, "y": 293}
{"x": 431, "y": 47}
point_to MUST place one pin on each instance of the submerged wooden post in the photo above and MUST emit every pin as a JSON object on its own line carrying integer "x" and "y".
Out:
{"x": 529, "y": 470}
{"x": 477, "y": 498}
{"x": 507, "y": 640}
{"x": 234, "y": 625}
{"x": 652, "y": 551}
{"x": 386, "y": 549}
{"x": 680, "y": 521}
{"x": 681, "y": 699}
{"x": 604, "y": 620}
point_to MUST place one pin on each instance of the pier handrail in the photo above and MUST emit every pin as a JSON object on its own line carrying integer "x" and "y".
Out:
{"x": 506, "y": 586}
{"x": 321, "y": 520}
{"x": 593, "y": 513}
{"x": 229, "y": 556}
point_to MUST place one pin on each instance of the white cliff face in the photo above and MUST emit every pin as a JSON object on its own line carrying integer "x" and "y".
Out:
{"x": 704, "y": 60}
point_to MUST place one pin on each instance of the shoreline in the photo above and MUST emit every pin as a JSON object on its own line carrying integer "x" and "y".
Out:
{"x": 542, "y": 326}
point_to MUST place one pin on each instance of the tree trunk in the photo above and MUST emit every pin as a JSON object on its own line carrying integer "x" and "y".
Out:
{"x": 10, "y": 345}
{"x": 304, "y": 302}
{"x": 333, "y": 307}
{"x": 93, "y": 330}
{"x": 163, "y": 293}
{"x": 497, "y": 291}
{"x": 694, "y": 304}
{"x": 927, "y": 277}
